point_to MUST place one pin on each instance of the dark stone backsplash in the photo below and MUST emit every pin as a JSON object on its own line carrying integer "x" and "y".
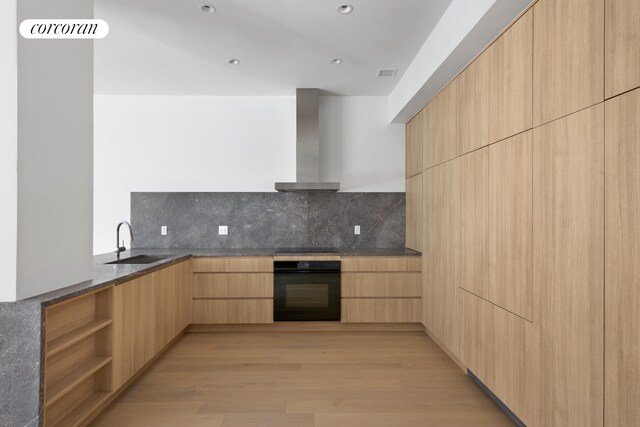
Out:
{"x": 268, "y": 220}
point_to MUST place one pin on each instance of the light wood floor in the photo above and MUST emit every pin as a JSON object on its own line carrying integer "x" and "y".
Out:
{"x": 300, "y": 379}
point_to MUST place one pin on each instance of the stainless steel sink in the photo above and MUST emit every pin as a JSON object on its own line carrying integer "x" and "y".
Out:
{"x": 140, "y": 259}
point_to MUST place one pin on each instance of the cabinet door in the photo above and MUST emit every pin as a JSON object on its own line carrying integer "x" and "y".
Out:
{"x": 496, "y": 347}
{"x": 568, "y": 57}
{"x": 414, "y": 212}
{"x": 428, "y": 135}
{"x": 510, "y": 80}
{"x": 428, "y": 248}
{"x": 441, "y": 307}
{"x": 413, "y": 146}
{"x": 622, "y": 282}
{"x": 134, "y": 340}
{"x": 622, "y": 50}
{"x": 172, "y": 296}
{"x": 473, "y": 91}
{"x": 510, "y": 225}
{"x": 474, "y": 222}
{"x": 446, "y": 123}
{"x": 568, "y": 225}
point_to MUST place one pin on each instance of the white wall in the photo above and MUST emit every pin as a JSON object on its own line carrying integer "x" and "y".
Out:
{"x": 8, "y": 148}
{"x": 55, "y": 152}
{"x": 358, "y": 146}
{"x": 185, "y": 143}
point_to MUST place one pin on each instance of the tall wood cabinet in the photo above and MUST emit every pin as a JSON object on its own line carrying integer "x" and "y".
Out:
{"x": 413, "y": 228}
{"x": 473, "y": 105}
{"x": 413, "y": 146}
{"x": 568, "y": 269}
{"x": 496, "y": 346}
{"x": 622, "y": 231}
{"x": 510, "y": 80}
{"x": 568, "y": 65}
{"x": 440, "y": 286}
{"x": 510, "y": 227}
{"x": 530, "y": 242}
{"x": 474, "y": 222}
{"x": 622, "y": 46}
{"x": 440, "y": 127}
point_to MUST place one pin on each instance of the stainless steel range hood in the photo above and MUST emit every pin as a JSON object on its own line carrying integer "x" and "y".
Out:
{"x": 307, "y": 146}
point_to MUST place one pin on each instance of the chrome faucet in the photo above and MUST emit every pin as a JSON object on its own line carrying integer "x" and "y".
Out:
{"x": 118, "y": 247}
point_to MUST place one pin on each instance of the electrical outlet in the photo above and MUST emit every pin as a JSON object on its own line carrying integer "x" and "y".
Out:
{"x": 356, "y": 229}
{"x": 163, "y": 230}
{"x": 223, "y": 230}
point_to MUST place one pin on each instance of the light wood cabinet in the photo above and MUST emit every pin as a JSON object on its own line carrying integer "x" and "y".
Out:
{"x": 440, "y": 281}
{"x": 440, "y": 122}
{"x": 413, "y": 146}
{"x": 233, "y": 285}
{"x": 381, "y": 289}
{"x": 233, "y": 290}
{"x": 172, "y": 292}
{"x": 134, "y": 334}
{"x": 233, "y": 265}
{"x": 568, "y": 57}
{"x": 622, "y": 46}
{"x": 473, "y": 105}
{"x": 568, "y": 270}
{"x": 380, "y": 263}
{"x": 428, "y": 135}
{"x": 510, "y": 224}
{"x": 413, "y": 189}
{"x": 78, "y": 358}
{"x": 510, "y": 80}
{"x": 232, "y": 311}
{"x": 474, "y": 222}
{"x": 446, "y": 140}
{"x": 496, "y": 347}
{"x": 381, "y": 285}
{"x": 150, "y": 311}
{"x": 622, "y": 280}
{"x": 380, "y": 310}
{"x": 429, "y": 247}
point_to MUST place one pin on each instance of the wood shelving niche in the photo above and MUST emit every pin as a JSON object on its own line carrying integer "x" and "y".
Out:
{"x": 78, "y": 365}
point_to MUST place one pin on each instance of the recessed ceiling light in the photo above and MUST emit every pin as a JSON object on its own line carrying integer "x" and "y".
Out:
{"x": 344, "y": 8}
{"x": 207, "y": 8}
{"x": 233, "y": 61}
{"x": 336, "y": 61}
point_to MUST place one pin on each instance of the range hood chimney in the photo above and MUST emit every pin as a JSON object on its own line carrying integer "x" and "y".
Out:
{"x": 307, "y": 146}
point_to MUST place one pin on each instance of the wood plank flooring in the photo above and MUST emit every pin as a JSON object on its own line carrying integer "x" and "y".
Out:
{"x": 303, "y": 379}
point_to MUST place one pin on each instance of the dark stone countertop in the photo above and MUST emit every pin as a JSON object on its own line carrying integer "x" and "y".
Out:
{"x": 105, "y": 274}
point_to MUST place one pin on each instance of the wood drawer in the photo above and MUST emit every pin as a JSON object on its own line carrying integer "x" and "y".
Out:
{"x": 381, "y": 285}
{"x": 232, "y": 311}
{"x": 380, "y": 263}
{"x": 233, "y": 285}
{"x": 233, "y": 264}
{"x": 381, "y": 310}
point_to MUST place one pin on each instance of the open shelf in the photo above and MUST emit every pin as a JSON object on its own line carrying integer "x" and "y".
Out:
{"x": 72, "y": 337}
{"x": 62, "y": 387}
{"x": 78, "y": 364}
{"x": 80, "y": 413}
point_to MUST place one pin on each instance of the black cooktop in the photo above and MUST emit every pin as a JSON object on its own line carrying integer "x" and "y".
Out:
{"x": 307, "y": 251}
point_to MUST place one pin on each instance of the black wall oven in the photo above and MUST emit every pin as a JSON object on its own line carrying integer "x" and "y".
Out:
{"x": 306, "y": 290}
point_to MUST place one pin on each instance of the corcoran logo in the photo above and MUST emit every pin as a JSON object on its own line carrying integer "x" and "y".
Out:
{"x": 64, "y": 29}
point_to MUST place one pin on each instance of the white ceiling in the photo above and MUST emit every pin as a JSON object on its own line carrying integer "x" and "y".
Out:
{"x": 171, "y": 47}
